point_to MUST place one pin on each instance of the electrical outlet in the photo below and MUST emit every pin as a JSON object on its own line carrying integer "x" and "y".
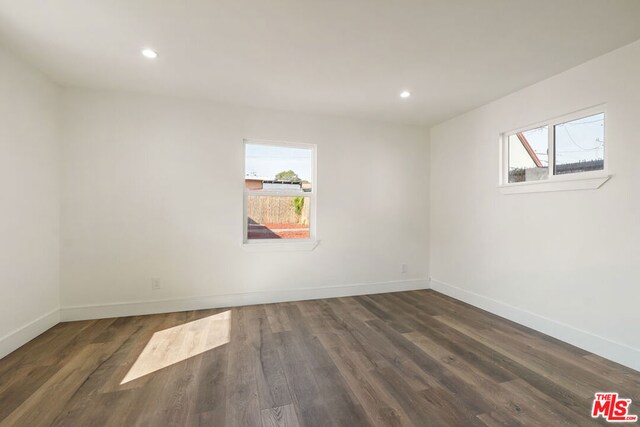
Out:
{"x": 403, "y": 268}
{"x": 155, "y": 284}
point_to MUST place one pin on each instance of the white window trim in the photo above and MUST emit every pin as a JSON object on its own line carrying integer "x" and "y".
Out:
{"x": 575, "y": 181}
{"x": 267, "y": 245}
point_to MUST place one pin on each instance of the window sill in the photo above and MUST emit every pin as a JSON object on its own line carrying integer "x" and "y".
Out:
{"x": 280, "y": 246}
{"x": 555, "y": 184}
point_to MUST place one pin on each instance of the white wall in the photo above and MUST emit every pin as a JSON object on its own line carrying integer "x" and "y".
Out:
{"x": 152, "y": 187}
{"x": 29, "y": 200}
{"x": 566, "y": 263}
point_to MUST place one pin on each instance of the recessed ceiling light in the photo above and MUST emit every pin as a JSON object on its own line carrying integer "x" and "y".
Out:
{"x": 149, "y": 53}
{"x": 405, "y": 94}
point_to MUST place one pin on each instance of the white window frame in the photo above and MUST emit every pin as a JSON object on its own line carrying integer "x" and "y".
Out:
{"x": 281, "y": 244}
{"x": 590, "y": 180}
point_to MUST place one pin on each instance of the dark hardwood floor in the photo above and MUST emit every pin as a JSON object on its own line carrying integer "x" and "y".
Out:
{"x": 409, "y": 358}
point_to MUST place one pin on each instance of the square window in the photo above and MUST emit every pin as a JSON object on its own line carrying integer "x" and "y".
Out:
{"x": 579, "y": 145}
{"x": 529, "y": 155}
{"x": 279, "y": 191}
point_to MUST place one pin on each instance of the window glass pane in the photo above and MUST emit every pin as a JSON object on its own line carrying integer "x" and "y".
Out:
{"x": 269, "y": 167}
{"x": 278, "y": 217}
{"x": 579, "y": 145}
{"x": 529, "y": 155}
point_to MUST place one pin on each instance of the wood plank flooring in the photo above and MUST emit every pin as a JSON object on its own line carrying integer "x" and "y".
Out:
{"x": 409, "y": 358}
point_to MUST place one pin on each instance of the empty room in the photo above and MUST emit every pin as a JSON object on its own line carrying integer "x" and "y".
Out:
{"x": 319, "y": 213}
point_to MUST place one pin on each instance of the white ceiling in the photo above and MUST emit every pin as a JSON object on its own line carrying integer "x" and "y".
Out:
{"x": 342, "y": 57}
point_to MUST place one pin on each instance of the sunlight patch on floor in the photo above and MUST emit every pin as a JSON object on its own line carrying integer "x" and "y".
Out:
{"x": 181, "y": 342}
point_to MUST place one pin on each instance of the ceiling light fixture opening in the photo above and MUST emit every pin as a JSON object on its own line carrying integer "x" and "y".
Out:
{"x": 149, "y": 53}
{"x": 405, "y": 94}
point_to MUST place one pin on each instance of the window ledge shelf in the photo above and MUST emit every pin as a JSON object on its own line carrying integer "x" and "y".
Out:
{"x": 307, "y": 245}
{"x": 565, "y": 184}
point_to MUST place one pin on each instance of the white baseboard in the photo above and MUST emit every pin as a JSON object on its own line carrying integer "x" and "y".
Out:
{"x": 618, "y": 352}
{"x": 612, "y": 350}
{"x": 19, "y": 337}
{"x": 134, "y": 308}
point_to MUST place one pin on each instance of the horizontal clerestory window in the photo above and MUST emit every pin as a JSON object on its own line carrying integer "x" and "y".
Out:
{"x": 571, "y": 146}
